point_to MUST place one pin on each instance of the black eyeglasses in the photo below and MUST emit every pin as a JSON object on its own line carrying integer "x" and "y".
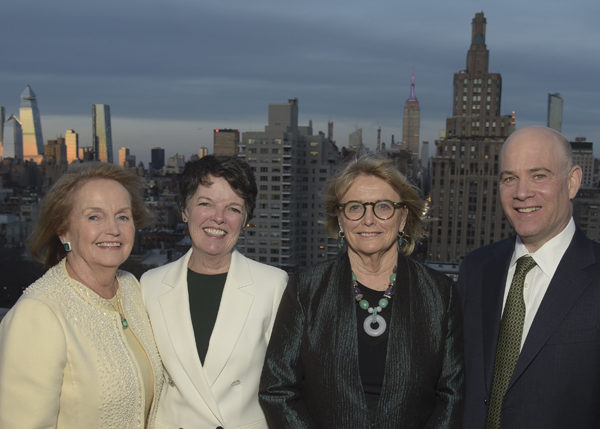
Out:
{"x": 382, "y": 209}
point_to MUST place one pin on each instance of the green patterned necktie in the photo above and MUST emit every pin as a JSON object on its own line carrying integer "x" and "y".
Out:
{"x": 509, "y": 340}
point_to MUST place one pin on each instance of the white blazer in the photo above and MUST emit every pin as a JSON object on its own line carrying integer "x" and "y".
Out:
{"x": 223, "y": 392}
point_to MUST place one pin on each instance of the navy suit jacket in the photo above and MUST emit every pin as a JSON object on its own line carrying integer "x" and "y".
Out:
{"x": 556, "y": 382}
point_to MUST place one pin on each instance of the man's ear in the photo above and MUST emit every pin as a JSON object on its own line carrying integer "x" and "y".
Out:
{"x": 574, "y": 178}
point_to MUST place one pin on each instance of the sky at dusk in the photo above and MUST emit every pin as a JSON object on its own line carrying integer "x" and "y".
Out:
{"x": 172, "y": 71}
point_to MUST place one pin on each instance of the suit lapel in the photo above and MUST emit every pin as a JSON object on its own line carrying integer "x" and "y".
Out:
{"x": 235, "y": 305}
{"x": 338, "y": 290}
{"x": 495, "y": 268}
{"x": 399, "y": 341}
{"x": 175, "y": 309}
{"x": 564, "y": 290}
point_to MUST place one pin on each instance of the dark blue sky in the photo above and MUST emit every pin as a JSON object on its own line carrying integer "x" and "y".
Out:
{"x": 174, "y": 70}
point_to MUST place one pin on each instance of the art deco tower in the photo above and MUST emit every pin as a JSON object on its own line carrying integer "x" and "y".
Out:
{"x": 465, "y": 208}
{"x": 31, "y": 125}
{"x": 411, "y": 122}
{"x": 103, "y": 148}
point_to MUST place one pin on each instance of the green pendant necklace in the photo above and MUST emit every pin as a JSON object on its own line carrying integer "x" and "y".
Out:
{"x": 374, "y": 325}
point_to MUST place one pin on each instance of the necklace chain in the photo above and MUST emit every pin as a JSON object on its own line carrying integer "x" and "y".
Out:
{"x": 374, "y": 325}
{"x": 119, "y": 308}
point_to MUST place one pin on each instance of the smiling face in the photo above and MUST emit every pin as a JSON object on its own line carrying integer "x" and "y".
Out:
{"x": 370, "y": 235}
{"x": 215, "y": 215}
{"x": 100, "y": 227}
{"x": 537, "y": 185}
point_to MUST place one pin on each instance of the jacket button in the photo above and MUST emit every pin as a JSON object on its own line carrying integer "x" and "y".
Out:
{"x": 486, "y": 402}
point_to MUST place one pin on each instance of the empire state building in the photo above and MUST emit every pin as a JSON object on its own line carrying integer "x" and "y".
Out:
{"x": 411, "y": 122}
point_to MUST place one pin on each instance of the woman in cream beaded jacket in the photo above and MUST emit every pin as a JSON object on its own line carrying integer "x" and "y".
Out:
{"x": 76, "y": 350}
{"x": 372, "y": 339}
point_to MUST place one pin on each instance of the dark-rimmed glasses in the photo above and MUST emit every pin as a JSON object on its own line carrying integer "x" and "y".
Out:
{"x": 382, "y": 209}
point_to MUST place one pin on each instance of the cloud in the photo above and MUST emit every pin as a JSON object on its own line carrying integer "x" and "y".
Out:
{"x": 216, "y": 63}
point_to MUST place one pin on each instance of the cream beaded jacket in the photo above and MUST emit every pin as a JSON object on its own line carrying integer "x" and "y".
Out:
{"x": 65, "y": 362}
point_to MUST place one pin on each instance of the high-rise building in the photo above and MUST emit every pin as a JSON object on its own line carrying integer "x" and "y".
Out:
{"x": 130, "y": 161}
{"x": 202, "y": 152}
{"x": 424, "y": 152}
{"x": 411, "y": 122}
{"x": 31, "y": 126}
{"x": 157, "y": 158}
{"x": 123, "y": 154}
{"x": 87, "y": 153}
{"x": 465, "y": 208}
{"x": 175, "y": 164}
{"x": 102, "y": 133}
{"x": 1, "y": 131}
{"x": 586, "y": 211}
{"x": 72, "y": 144}
{"x": 291, "y": 166}
{"x": 555, "y": 111}
{"x": 355, "y": 140}
{"x": 226, "y": 141}
{"x": 17, "y": 138}
{"x": 55, "y": 152}
{"x": 583, "y": 155}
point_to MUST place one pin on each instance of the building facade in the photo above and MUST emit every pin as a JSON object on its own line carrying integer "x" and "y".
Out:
{"x": 226, "y": 142}
{"x": 16, "y": 149}
{"x": 355, "y": 140}
{"x": 72, "y": 144}
{"x": 123, "y": 154}
{"x": 411, "y": 122}
{"x": 55, "y": 152}
{"x": 291, "y": 166}
{"x": 157, "y": 158}
{"x": 555, "y": 111}
{"x": 586, "y": 212}
{"x": 102, "y": 133}
{"x": 465, "y": 208}
{"x": 1, "y": 131}
{"x": 583, "y": 155}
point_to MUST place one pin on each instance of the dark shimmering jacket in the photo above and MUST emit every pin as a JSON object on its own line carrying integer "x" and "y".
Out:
{"x": 311, "y": 374}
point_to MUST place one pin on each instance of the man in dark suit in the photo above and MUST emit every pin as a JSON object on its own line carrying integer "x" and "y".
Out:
{"x": 532, "y": 324}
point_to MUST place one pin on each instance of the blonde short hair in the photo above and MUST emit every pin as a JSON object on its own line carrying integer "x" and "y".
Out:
{"x": 384, "y": 169}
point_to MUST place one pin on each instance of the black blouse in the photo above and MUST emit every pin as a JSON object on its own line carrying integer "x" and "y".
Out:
{"x": 372, "y": 351}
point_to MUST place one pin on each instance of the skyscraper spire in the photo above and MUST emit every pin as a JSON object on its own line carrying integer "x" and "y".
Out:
{"x": 412, "y": 87}
{"x": 478, "y": 54}
{"x": 29, "y": 116}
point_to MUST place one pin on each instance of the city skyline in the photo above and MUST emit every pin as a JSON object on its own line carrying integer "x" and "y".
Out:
{"x": 172, "y": 73}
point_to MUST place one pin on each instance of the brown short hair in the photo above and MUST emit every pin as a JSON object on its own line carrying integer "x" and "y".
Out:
{"x": 384, "y": 169}
{"x": 53, "y": 217}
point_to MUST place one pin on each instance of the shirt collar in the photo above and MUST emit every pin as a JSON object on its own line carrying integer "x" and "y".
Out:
{"x": 549, "y": 255}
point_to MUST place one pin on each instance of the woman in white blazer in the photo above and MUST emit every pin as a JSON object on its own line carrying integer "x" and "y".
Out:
{"x": 212, "y": 310}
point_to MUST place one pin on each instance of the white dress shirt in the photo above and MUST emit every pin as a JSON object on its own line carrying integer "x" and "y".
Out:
{"x": 538, "y": 278}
